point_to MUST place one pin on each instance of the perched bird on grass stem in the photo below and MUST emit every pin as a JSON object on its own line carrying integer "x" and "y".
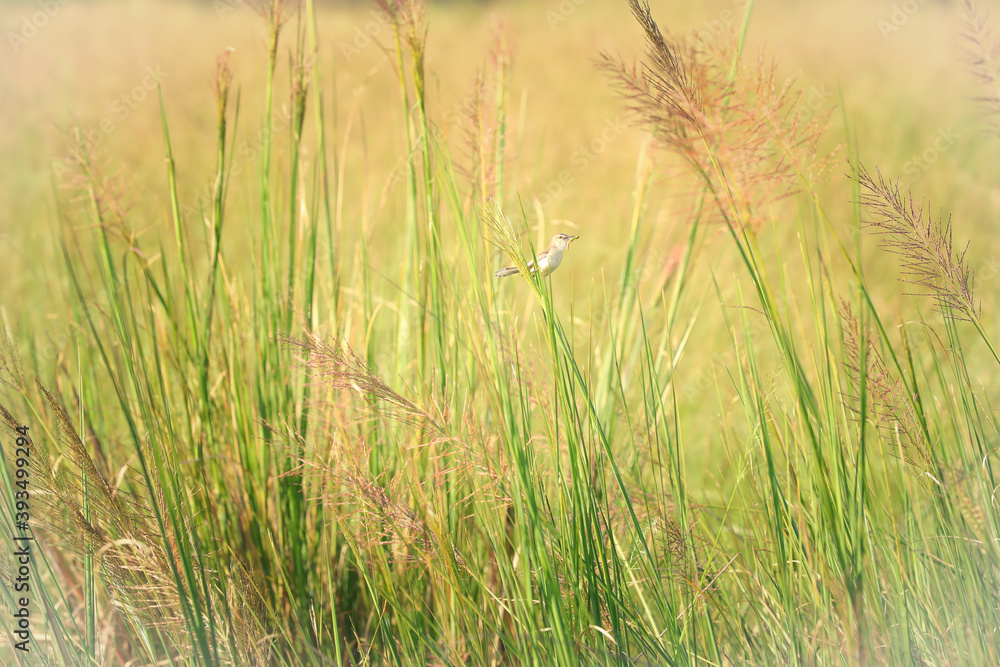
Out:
{"x": 548, "y": 260}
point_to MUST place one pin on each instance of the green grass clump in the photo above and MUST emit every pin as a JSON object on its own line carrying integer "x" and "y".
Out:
{"x": 277, "y": 456}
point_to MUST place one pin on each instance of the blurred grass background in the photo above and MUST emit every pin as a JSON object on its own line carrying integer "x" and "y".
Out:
{"x": 900, "y": 92}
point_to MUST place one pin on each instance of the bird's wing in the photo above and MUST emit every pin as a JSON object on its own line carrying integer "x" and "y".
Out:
{"x": 542, "y": 259}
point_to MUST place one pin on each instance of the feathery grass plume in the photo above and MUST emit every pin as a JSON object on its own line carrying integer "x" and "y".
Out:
{"x": 961, "y": 485}
{"x": 95, "y": 190}
{"x": 683, "y": 551}
{"x": 665, "y": 93}
{"x": 116, "y": 529}
{"x": 474, "y": 451}
{"x": 338, "y": 366}
{"x": 502, "y": 58}
{"x": 248, "y": 610}
{"x": 502, "y": 234}
{"x": 982, "y": 51}
{"x": 924, "y": 245}
{"x": 410, "y": 18}
{"x": 11, "y": 365}
{"x": 76, "y": 508}
{"x": 301, "y": 72}
{"x": 473, "y": 122}
{"x": 889, "y": 408}
{"x": 749, "y": 140}
{"x": 383, "y": 521}
{"x": 482, "y": 116}
{"x": 487, "y": 122}
{"x": 223, "y": 84}
{"x": 409, "y": 21}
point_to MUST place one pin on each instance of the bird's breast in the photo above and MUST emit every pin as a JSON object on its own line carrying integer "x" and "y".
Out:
{"x": 549, "y": 263}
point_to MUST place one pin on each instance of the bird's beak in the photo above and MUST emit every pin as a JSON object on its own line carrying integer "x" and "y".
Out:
{"x": 573, "y": 238}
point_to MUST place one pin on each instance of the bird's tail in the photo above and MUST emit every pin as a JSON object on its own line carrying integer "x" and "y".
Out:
{"x": 509, "y": 271}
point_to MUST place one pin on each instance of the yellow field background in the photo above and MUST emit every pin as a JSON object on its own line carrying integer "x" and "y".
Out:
{"x": 901, "y": 91}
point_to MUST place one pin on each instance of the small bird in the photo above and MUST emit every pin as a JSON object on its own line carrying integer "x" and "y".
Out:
{"x": 548, "y": 260}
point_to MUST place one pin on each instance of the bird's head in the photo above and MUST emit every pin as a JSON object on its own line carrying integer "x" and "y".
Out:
{"x": 562, "y": 241}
